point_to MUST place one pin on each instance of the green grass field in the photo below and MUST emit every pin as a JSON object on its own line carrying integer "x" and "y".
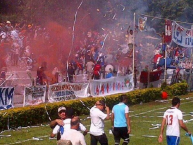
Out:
{"x": 143, "y": 119}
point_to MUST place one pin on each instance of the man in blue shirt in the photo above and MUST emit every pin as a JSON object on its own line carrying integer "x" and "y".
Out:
{"x": 121, "y": 121}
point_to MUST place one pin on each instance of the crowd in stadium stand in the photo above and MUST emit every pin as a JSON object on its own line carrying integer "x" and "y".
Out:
{"x": 92, "y": 55}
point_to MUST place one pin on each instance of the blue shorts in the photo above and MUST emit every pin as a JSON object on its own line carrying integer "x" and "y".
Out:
{"x": 173, "y": 140}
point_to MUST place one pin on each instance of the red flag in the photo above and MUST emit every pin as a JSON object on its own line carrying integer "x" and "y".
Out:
{"x": 168, "y": 31}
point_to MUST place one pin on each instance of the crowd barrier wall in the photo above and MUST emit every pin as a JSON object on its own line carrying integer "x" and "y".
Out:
{"x": 62, "y": 91}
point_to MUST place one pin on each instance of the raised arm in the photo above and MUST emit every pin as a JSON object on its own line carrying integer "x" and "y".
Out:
{"x": 56, "y": 122}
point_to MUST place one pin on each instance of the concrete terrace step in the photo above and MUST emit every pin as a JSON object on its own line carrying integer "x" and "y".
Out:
{"x": 18, "y": 100}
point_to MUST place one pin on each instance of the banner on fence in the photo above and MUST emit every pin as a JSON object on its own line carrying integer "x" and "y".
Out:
{"x": 6, "y": 97}
{"x": 67, "y": 91}
{"x": 120, "y": 84}
{"x": 34, "y": 95}
{"x": 182, "y": 36}
{"x": 153, "y": 76}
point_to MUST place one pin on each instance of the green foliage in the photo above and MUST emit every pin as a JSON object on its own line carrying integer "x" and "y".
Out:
{"x": 177, "y": 89}
{"x": 163, "y": 85}
{"x": 142, "y": 117}
{"x": 62, "y": 11}
{"x": 33, "y": 115}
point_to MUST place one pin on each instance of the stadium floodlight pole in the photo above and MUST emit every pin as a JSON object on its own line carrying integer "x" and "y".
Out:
{"x": 133, "y": 46}
{"x": 189, "y": 79}
{"x": 165, "y": 71}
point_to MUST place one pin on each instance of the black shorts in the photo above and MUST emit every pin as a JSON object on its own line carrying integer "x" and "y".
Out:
{"x": 121, "y": 132}
{"x": 102, "y": 139}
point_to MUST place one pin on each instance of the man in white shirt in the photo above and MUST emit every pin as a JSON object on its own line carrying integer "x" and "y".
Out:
{"x": 63, "y": 126}
{"x": 97, "y": 123}
{"x": 62, "y": 117}
{"x": 73, "y": 135}
{"x": 173, "y": 119}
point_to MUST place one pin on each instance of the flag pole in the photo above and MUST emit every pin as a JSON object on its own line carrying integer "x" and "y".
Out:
{"x": 190, "y": 77}
{"x": 165, "y": 72}
{"x": 134, "y": 47}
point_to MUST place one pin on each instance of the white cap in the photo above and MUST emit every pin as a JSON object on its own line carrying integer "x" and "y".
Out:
{"x": 61, "y": 108}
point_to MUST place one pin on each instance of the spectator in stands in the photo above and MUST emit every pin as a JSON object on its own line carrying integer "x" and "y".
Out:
{"x": 96, "y": 71}
{"x": 120, "y": 71}
{"x": 109, "y": 74}
{"x": 188, "y": 67}
{"x": 72, "y": 134}
{"x": 101, "y": 59}
{"x": 130, "y": 41}
{"x": 146, "y": 69}
{"x": 89, "y": 68}
{"x": 71, "y": 72}
{"x": 97, "y": 115}
{"x": 8, "y": 26}
{"x": 55, "y": 75}
{"x": 41, "y": 77}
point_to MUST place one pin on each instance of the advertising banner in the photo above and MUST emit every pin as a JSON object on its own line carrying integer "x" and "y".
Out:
{"x": 34, "y": 95}
{"x": 67, "y": 91}
{"x": 120, "y": 84}
{"x": 6, "y": 97}
{"x": 182, "y": 36}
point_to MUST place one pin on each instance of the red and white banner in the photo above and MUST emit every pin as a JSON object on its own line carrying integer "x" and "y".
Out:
{"x": 120, "y": 84}
{"x": 34, "y": 95}
{"x": 182, "y": 36}
{"x": 168, "y": 31}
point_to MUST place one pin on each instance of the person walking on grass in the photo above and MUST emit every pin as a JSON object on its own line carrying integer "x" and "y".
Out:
{"x": 121, "y": 121}
{"x": 98, "y": 116}
{"x": 173, "y": 119}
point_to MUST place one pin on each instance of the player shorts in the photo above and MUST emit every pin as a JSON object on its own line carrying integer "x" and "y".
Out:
{"x": 173, "y": 140}
{"x": 121, "y": 132}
